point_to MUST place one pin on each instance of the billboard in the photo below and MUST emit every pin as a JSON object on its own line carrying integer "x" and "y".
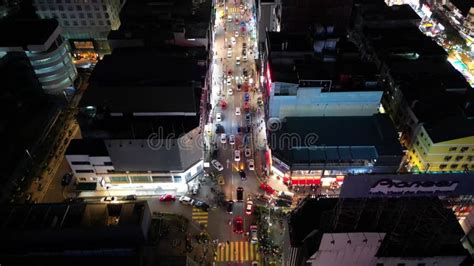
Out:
{"x": 407, "y": 185}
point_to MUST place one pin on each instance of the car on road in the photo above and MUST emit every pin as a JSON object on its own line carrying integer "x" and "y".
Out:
{"x": 240, "y": 194}
{"x": 238, "y": 225}
{"x": 237, "y": 60}
{"x": 108, "y": 199}
{"x": 217, "y": 165}
{"x": 247, "y": 152}
{"x": 223, "y": 138}
{"x": 247, "y": 117}
{"x": 249, "y": 208}
{"x": 244, "y": 45}
{"x": 219, "y": 129}
{"x": 246, "y": 105}
{"x": 259, "y": 101}
{"x": 253, "y": 234}
{"x": 246, "y": 96}
{"x": 237, "y": 155}
{"x": 231, "y": 139}
{"x": 66, "y": 180}
{"x": 232, "y": 40}
{"x": 186, "y": 200}
{"x": 236, "y": 34}
{"x": 201, "y": 205}
{"x": 243, "y": 175}
{"x": 230, "y": 206}
{"x": 251, "y": 164}
{"x": 268, "y": 189}
{"x": 237, "y": 110}
{"x": 244, "y": 58}
{"x": 218, "y": 117}
{"x": 230, "y": 92}
{"x": 229, "y": 18}
{"x": 239, "y": 86}
{"x": 130, "y": 197}
{"x": 229, "y": 81}
{"x": 167, "y": 197}
{"x": 229, "y": 53}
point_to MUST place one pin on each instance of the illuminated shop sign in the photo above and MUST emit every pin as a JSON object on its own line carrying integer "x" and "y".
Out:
{"x": 390, "y": 186}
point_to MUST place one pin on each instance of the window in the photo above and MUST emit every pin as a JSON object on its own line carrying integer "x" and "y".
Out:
{"x": 422, "y": 134}
{"x": 464, "y": 166}
{"x": 66, "y": 23}
{"x": 140, "y": 179}
{"x": 63, "y": 15}
{"x": 89, "y": 15}
{"x": 417, "y": 143}
{"x": 87, "y": 7}
{"x": 75, "y": 23}
{"x": 108, "y": 163}
{"x": 453, "y": 149}
{"x": 84, "y": 171}
{"x": 80, "y": 163}
{"x": 78, "y": 7}
{"x": 162, "y": 179}
{"x": 96, "y": 8}
{"x": 101, "y": 22}
{"x": 442, "y": 166}
{"x": 83, "y": 23}
{"x": 463, "y": 149}
{"x": 82, "y": 179}
{"x": 60, "y": 7}
{"x": 454, "y": 166}
{"x": 98, "y": 15}
{"x": 108, "y": 22}
{"x": 447, "y": 158}
{"x": 72, "y": 16}
{"x": 81, "y": 15}
{"x": 459, "y": 158}
{"x": 119, "y": 179}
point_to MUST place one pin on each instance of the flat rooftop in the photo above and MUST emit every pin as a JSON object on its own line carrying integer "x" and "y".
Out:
{"x": 414, "y": 227}
{"x": 335, "y": 138}
{"x": 26, "y": 32}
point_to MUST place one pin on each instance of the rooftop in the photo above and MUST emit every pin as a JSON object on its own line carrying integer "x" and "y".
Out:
{"x": 463, "y": 5}
{"x": 413, "y": 45}
{"x": 414, "y": 227}
{"x": 379, "y": 12}
{"x": 92, "y": 147}
{"x": 21, "y": 33}
{"x": 450, "y": 128}
{"x": 336, "y": 139}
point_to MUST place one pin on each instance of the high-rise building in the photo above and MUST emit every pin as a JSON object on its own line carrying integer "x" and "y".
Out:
{"x": 48, "y": 53}
{"x": 88, "y": 22}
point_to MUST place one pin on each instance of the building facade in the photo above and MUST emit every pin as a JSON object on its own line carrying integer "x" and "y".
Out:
{"x": 49, "y": 56}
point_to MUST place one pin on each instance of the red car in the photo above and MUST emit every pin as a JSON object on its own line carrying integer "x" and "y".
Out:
{"x": 267, "y": 188}
{"x": 238, "y": 225}
{"x": 167, "y": 197}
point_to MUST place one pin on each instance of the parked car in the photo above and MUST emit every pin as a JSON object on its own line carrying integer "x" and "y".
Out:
{"x": 246, "y": 96}
{"x": 250, "y": 164}
{"x": 236, "y": 34}
{"x": 240, "y": 194}
{"x": 253, "y": 234}
{"x": 218, "y": 117}
{"x": 230, "y": 206}
{"x": 230, "y": 92}
{"x": 247, "y": 117}
{"x": 231, "y": 139}
{"x": 249, "y": 208}
{"x": 223, "y": 138}
{"x": 219, "y": 129}
{"x": 217, "y": 165}
{"x": 237, "y": 60}
{"x": 108, "y": 199}
{"x": 238, "y": 225}
{"x": 229, "y": 53}
{"x": 130, "y": 197}
{"x": 66, "y": 180}
{"x": 268, "y": 189}
{"x": 237, "y": 110}
{"x": 168, "y": 197}
{"x": 195, "y": 189}
{"x": 186, "y": 200}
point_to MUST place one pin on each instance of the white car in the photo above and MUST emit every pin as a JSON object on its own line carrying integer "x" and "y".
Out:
{"x": 232, "y": 40}
{"x": 223, "y": 138}
{"x": 237, "y": 110}
{"x": 229, "y": 18}
{"x": 251, "y": 165}
{"x": 247, "y": 152}
{"x": 186, "y": 200}
{"x": 232, "y": 139}
{"x": 218, "y": 117}
{"x": 236, "y": 34}
{"x": 229, "y": 53}
{"x": 217, "y": 165}
{"x": 230, "y": 92}
{"x": 237, "y": 60}
{"x": 253, "y": 236}
{"x": 237, "y": 155}
{"x": 229, "y": 81}
{"x": 249, "y": 208}
{"x": 244, "y": 58}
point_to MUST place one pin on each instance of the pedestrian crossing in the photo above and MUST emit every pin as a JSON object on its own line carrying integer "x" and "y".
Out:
{"x": 200, "y": 216}
{"x": 238, "y": 251}
{"x": 234, "y": 10}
